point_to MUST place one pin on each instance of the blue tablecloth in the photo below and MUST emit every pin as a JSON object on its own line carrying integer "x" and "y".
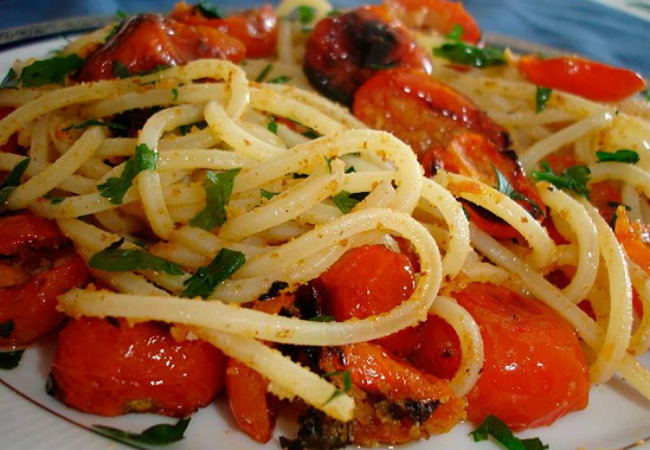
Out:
{"x": 582, "y": 26}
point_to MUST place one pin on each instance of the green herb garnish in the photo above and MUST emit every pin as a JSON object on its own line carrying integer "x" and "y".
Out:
{"x": 114, "y": 189}
{"x": 344, "y": 201}
{"x": 574, "y": 178}
{"x": 504, "y": 186}
{"x": 492, "y": 426}
{"x": 280, "y": 80}
{"x": 455, "y": 33}
{"x": 623, "y": 155}
{"x": 10, "y": 360}
{"x": 272, "y": 126}
{"x": 209, "y": 11}
{"x": 120, "y": 70}
{"x": 156, "y": 435}
{"x": 218, "y": 189}
{"x": 174, "y": 95}
{"x": 123, "y": 260}
{"x": 347, "y": 383}
{"x": 264, "y": 73}
{"x": 11, "y": 182}
{"x": 95, "y": 122}
{"x": 207, "y": 278}
{"x": 185, "y": 129}
{"x": 50, "y": 71}
{"x": 303, "y": 15}
{"x": 322, "y": 319}
{"x": 11, "y": 80}
{"x": 470, "y": 55}
{"x": 268, "y": 195}
{"x": 542, "y": 95}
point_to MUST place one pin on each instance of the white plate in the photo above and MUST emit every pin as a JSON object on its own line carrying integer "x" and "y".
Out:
{"x": 617, "y": 417}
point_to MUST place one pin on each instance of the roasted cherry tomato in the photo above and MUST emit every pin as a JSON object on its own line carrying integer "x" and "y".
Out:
{"x": 249, "y": 402}
{"x": 344, "y": 51}
{"x": 148, "y": 42}
{"x": 257, "y": 28}
{"x": 534, "y": 370}
{"x": 370, "y": 280}
{"x": 36, "y": 268}
{"x": 438, "y": 351}
{"x": 395, "y": 402}
{"x": 435, "y": 15}
{"x": 588, "y": 79}
{"x": 445, "y": 129}
{"x": 108, "y": 367}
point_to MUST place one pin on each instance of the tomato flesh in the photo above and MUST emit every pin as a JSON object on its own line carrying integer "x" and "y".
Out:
{"x": 579, "y": 76}
{"x": 108, "y": 367}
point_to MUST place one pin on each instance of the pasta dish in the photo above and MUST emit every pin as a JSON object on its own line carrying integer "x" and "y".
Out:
{"x": 369, "y": 220}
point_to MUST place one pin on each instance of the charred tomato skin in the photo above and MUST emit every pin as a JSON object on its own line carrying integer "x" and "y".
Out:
{"x": 344, "y": 51}
{"x": 107, "y": 367}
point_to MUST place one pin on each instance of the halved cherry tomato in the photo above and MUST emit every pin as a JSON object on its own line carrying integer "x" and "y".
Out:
{"x": 588, "y": 79}
{"x": 344, "y": 51}
{"x": 257, "y": 28}
{"x": 438, "y": 351}
{"x": 370, "y": 280}
{"x": 108, "y": 367}
{"x": 435, "y": 15}
{"x": 27, "y": 230}
{"x": 418, "y": 404}
{"x": 248, "y": 400}
{"x": 534, "y": 370}
{"x": 635, "y": 239}
{"x": 148, "y": 42}
{"x": 445, "y": 129}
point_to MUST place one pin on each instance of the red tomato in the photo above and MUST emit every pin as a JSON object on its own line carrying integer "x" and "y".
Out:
{"x": 31, "y": 305}
{"x": 147, "y": 42}
{"x": 249, "y": 402}
{"x": 438, "y": 351}
{"x": 382, "y": 375}
{"x": 445, "y": 129}
{"x": 435, "y": 15}
{"x": 107, "y": 367}
{"x": 534, "y": 370}
{"x": 257, "y": 28}
{"x": 27, "y": 230}
{"x": 588, "y": 79}
{"x": 344, "y": 51}
{"x": 370, "y": 280}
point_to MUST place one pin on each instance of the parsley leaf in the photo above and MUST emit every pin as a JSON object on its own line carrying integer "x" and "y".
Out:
{"x": 115, "y": 189}
{"x": 456, "y": 32}
{"x": 272, "y": 126}
{"x": 11, "y": 182}
{"x": 174, "y": 95}
{"x": 185, "y": 129}
{"x": 504, "y": 186}
{"x": 347, "y": 383}
{"x": 207, "y": 278}
{"x": 302, "y": 14}
{"x": 542, "y": 95}
{"x": 122, "y": 260}
{"x": 120, "y": 70}
{"x": 209, "y": 11}
{"x": 156, "y": 435}
{"x": 95, "y": 122}
{"x": 623, "y": 155}
{"x": 494, "y": 427}
{"x": 280, "y": 80}
{"x": 470, "y": 55}
{"x": 264, "y": 73}
{"x": 10, "y": 360}
{"x": 345, "y": 201}
{"x": 218, "y": 189}
{"x": 574, "y": 178}
{"x": 328, "y": 161}
{"x": 267, "y": 194}
{"x": 50, "y": 71}
{"x": 6, "y": 328}
{"x": 121, "y": 14}
{"x": 11, "y": 80}
{"x": 322, "y": 319}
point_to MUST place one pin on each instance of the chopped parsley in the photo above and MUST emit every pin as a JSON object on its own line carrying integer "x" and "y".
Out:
{"x": 504, "y": 186}
{"x": 492, "y": 426}
{"x": 174, "y": 95}
{"x": 11, "y": 80}
{"x": 623, "y": 155}
{"x": 95, "y": 122}
{"x": 122, "y": 260}
{"x": 264, "y": 73}
{"x": 121, "y": 14}
{"x": 218, "y": 189}
{"x": 456, "y": 32}
{"x": 347, "y": 383}
{"x": 120, "y": 70}
{"x": 10, "y": 360}
{"x": 6, "y": 328}
{"x": 345, "y": 201}
{"x": 542, "y": 95}
{"x": 272, "y": 126}
{"x": 322, "y": 319}
{"x": 470, "y": 55}
{"x": 114, "y": 189}
{"x": 208, "y": 10}
{"x": 302, "y": 15}
{"x": 207, "y": 278}
{"x": 574, "y": 178}
{"x": 280, "y": 80}
{"x": 160, "y": 434}
{"x": 268, "y": 195}
{"x": 185, "y": 129}
{"x": 50, "y": 71}
{"x": 11, "y": 182}
{"x": 328, "y": 161}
